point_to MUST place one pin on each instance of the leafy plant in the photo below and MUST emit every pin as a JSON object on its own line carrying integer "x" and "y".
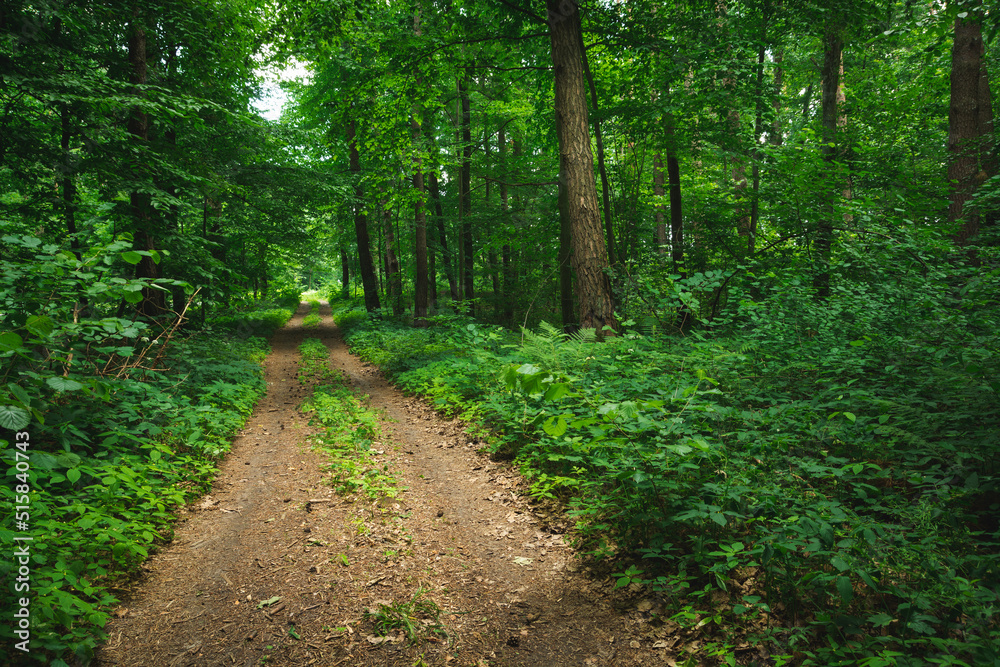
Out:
{"x": 417, "y": 617}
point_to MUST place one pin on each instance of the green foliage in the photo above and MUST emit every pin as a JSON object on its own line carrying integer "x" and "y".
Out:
{"x": 257, "y": 323}
{"x": 418, "y": 618}
{"x": 112, "y": 468}
{"x": 820, "y": 460}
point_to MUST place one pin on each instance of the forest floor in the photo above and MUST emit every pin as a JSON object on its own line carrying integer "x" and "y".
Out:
{"x": 274, "y": 568}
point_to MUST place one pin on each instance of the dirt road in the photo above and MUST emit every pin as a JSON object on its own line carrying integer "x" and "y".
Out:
{"x": 273, "y": 568}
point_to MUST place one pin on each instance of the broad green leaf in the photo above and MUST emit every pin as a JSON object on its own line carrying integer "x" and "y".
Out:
{"x": 845, "y": 589}
{"x": 63, "y": 384}
{"x": 881, "y": 619}
{"x": 40, "y": 325}
{"x": 73, "y": 475}
{"x": 556, "y": 391}
{"x": 840, "y": 563}
{"x": 10, "y": 341}
{"x": 132, "y": 257}
{"x": 20, "y": 394}
{"x": 13, "y": 418}
{"x": 850, "y": 416}
{"x": 554, "y": 427}
{"x": 718, "y": 518}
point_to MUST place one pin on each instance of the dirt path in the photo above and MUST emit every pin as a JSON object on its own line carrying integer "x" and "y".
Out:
{"x": 506, "y": 581}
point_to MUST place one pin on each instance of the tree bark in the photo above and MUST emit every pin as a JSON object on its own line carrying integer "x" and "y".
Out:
{"x": 576, "y": 167}
{"x": 345, "y": 273}
{"x": 755, "y": 155}
{"x": 776, "y": 138}
{"x": 153, "y": 303}
{"x": 419, "y": 213}
{"x": 661, "y": 225}
{"x": 393, "y": 277}
{"x": 970, "y": 123}
{"x": 466, "y": 191}
{"x": 832, "y": 63}
{"x": 420, "y": 235}
{"x": 369, "y": 282}
{"x": 599, "y": 138}
{"x": 507, "y": 308}
{"x": 442, "y": 238}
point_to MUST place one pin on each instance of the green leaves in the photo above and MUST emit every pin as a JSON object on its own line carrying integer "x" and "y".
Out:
{"x": 13, "y": 418}
{"x": 10, "y": 342}
{"x": 63, "y": 384}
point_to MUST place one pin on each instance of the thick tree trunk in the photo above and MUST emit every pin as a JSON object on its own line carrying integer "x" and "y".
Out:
{"x": 141, "y": 203}
{"x": 466, "y": 192}
{"x": 576, "y": 167}
{"x": 970, "y": 123}
{"x": 832, "y": 63}
{"x": 369, "y": 282}
{"x": 599, "y": 138}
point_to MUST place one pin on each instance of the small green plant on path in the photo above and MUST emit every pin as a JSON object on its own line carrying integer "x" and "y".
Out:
{"x": 418, "y": 618}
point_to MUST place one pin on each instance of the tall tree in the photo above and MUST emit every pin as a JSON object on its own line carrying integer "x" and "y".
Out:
{"x": 833, "y": 49}
{"x": 465, "y": 190}
{"x": 368, "y": 280}
{"x": 970, "y": 120}
{"x": 420, "y": 213}
{"x": 578, "y": 191}
{"x": 153, "y": 303}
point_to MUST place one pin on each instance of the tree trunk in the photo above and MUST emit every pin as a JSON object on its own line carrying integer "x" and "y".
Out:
{"x": 68, "y": 186}
{"x": 141, "y": 203}
{"x": 776, "y": 138}
{"x": 442, "y": 239}
{"x": 393, "y": 277}
{"x": 576, "y": 167}
{"x": 466, "y": 191}
{"x": 755, "y": 155}
{"x": 970, "y": 123}
{"x": 420, "y": 214}
{"x": 832, "y": 55}
{"x": 661, "y": 225}
{"x": 507, "y": 297}
{"x": 345, "y": 273}
{"x": 605, "y": 188}
{"x": 369, "y": 282}
{"x": 569, "y": 323}
{"x": 420, "y": 235}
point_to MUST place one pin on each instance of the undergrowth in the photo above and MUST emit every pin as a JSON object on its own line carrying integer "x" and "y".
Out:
{"x": 351, "y": 430}
{"x": 833, "y": 498}
{"x": 122, "y": 425}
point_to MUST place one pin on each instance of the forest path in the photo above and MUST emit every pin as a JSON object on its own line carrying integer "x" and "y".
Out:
{"x": 506, "y": 582}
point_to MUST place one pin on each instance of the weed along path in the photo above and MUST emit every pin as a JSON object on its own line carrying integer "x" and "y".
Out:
{"x": 452, "y": 568}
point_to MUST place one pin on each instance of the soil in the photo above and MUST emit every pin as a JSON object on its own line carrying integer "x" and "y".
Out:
{"x": 272, "y": 567}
